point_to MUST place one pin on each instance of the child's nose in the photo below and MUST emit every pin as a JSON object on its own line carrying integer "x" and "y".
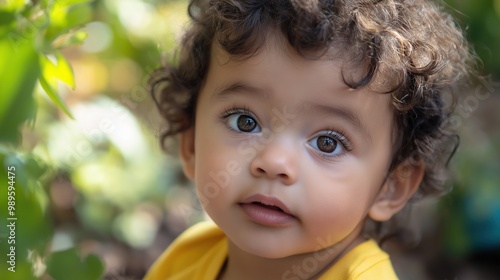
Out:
{"x": 275, "y": 161}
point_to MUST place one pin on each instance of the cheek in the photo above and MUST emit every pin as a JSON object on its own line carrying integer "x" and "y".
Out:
{"x": 338, "y": 202}
{"x": 216, "y": 172}
{"x": 211, "y": 178}
{"x": 336, "y": 212}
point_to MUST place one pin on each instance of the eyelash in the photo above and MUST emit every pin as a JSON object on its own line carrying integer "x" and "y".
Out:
{"x": 235, "y": 110}
{"x": 341, "y": 137}
{"x": 336, "y": 134}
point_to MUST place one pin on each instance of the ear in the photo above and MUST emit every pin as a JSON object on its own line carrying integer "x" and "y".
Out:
{"x": 187, "y": 152}
{"x": 401, "y": 184}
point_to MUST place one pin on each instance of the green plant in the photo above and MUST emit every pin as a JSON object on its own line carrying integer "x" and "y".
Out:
{"x": 31, "y": 37}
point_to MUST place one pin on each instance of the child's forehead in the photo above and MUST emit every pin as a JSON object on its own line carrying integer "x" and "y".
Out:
{"x": 337, "y": 57}
{"x": 281, "y": 75}
{"x": 312, "y": 91}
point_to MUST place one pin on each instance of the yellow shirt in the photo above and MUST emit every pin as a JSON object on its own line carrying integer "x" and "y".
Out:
{"x": 200, "y": 252}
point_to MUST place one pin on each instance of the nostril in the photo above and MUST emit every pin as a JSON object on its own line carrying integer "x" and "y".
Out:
{"x": 283, "y": 176}
{"x": 272, "y": 170}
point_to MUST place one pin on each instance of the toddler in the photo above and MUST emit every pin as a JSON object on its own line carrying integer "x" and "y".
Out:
{"x": 301, "y": 123}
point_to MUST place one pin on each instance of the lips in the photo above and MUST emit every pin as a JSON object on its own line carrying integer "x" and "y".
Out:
{"x": 266, "y": 210}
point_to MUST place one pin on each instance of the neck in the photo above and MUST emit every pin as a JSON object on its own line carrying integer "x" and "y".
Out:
{"x": 242, "y": 265}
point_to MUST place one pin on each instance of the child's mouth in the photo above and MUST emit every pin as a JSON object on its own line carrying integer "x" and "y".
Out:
{"x": 268, "y": 206}
{"x": 268, "y": 211}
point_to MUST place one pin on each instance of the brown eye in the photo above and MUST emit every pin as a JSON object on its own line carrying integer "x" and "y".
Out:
{"x": 326, "y": 144}
{"x": 246, "y": 123}
{"x": 330, "y": 143}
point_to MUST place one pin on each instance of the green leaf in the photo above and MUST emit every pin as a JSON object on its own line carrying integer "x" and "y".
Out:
{"x": 13, "y": 5}
{"x": 61, "y": 71}
{"x": 6, "y": 17}
{"x": 66, "y": 17}
{"x": 73, "y": 2}
{"x": 19, "y": 69}
{"x": 73, "y": 37}
{"x": 13, "y": 159}
{"x": 78, "y": 15}
{"x": 64, "y": 71}
{"x": 28, "y": 209}
{"x": 54, "y": 96}
{"x": 51, "y": 73}
{"x": 67, "y": 265}
{"x": 35, "y": 168}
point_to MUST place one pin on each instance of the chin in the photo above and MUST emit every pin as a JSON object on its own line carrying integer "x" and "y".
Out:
{"x": 268, "y": 254}
{"x": 265, "y": 250}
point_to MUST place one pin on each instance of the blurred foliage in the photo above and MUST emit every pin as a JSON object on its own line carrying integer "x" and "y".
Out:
{"x": 471, "y": 213}
{"x": 31, "y": 35}
{"x": 77, "y": 123}
{"x": 480, "y": 20}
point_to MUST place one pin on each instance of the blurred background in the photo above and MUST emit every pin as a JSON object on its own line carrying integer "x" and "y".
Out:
{"x": 96, "y": 197}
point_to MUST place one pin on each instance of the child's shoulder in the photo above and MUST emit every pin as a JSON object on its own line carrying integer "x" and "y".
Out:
{"x": 201, "y": 234}
{"x": 198, "y": 253}
{"x": 365, "y": 261}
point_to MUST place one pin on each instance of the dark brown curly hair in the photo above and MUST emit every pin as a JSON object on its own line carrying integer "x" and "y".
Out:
{"x": 410, "y": 49}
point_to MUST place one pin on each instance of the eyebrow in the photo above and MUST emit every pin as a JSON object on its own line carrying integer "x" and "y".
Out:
{"x": 241, "y": 88}
{"x": 339, "y": 112}
{"x": 342, "y": 113}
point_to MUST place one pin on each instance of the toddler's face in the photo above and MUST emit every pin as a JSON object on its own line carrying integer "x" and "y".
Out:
{"x": 285, "y": 157}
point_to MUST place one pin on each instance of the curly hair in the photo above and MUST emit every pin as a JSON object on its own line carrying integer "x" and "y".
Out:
{"x": 410, "y": 49}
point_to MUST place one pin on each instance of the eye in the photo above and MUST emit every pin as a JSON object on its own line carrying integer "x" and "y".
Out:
{"x": 330, "y": 143}
{"x": 241, "y": 121}
{"x": 326, "y": 144}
